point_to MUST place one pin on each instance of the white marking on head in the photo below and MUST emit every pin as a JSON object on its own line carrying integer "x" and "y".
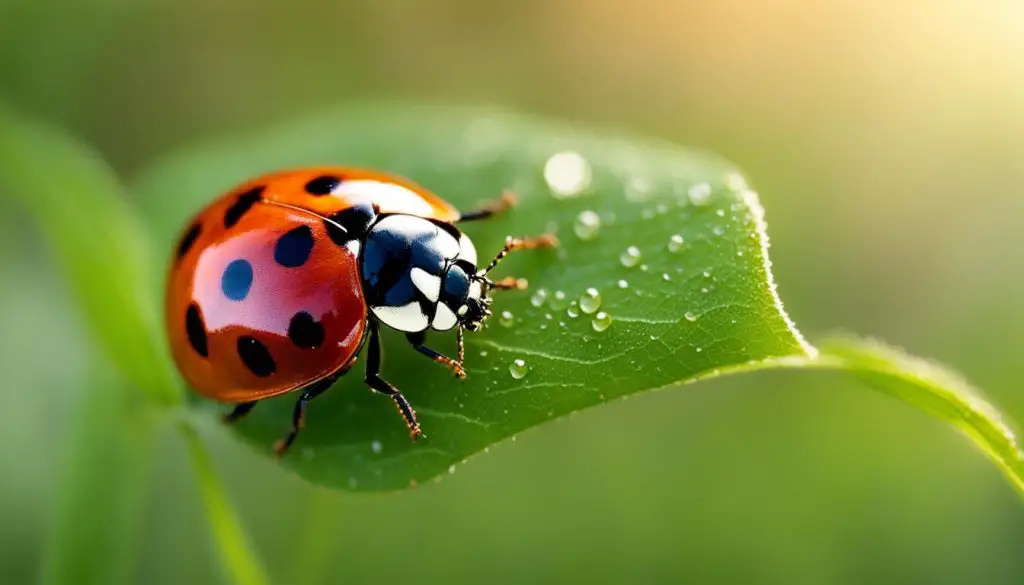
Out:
{"x": 408, "y": 318}
{"x": 468, "y": 250}
{"x": 463, "y": 310}
{"x": 390, "y": 197}
{"x": 475, "y": 291}
{"x": 444, "y": 319}
{"x": 428, "y": 284}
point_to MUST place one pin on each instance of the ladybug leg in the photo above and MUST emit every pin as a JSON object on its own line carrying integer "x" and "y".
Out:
{"x": 299, "y": 413}
{"x": 512, "y": 244}
{"x": 375, "y": 382}
{"x": 507, "y": 201}
{"x": 239, "y": 411}
{"x": 417, "y": 340}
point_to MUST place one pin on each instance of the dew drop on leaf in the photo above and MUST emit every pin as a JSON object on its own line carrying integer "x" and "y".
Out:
{"x": 506, "y": 318}
{"x": 700, "y": 194}
{"x": 623, "y": 284}
{"x": 538, "y": 298}
{"x": 631, "y": 257}
{"x": 601, "y": 321}
{"x": 567, "y": 174}
{"x": 675, "y": 244}
{"x": 590, "y": 302}
{"x": 518, "y": 369}
{"x": 558, "y": 301}
{"x": 690, "y": 317}
{"x": 376, "y": 447}
{"x": 574, "y": 310}
{"x": 587, "y": 226}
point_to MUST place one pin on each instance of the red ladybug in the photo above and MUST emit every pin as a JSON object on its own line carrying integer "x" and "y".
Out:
{"x": 275, "y": 286}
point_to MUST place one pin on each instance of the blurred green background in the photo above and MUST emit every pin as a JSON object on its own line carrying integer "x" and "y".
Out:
{"x": 886, "y": 138}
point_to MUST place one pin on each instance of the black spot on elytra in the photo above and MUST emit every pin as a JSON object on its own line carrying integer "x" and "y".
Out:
{"x": 256, "y": 356}
{"x": 305, "y": 331}
{"x": 241, "y": 205}
{"x": 293, "y": 248}
{"x": 323, "y": 185}
{"x": 196, "y": 330}
{"x": 350, "y": 223}
{"x": 189, "y": 239}
{"x": 236, "y": 280}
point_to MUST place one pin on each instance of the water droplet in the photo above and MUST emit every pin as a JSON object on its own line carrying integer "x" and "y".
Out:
{"x": 700, "y": 194}
{"x": 623, "y": 284}
{"x": 736, "y": 182}
{"x": 567, "y": 174}
{"x": 539, "y": 297}
{"x": 631, "y": 257}
{"x": 601, "y": 321}
{"x": 739, "y": 253}
{"x": 543, "y": 326}
{"x": 588, "y": 224}
{"x": 637, "y": 189}
{"x": 720, "y": 213}
{"x": 718, "y": 230}
{"x": 700, "y": 349}
{"x": 558, "y": 301}
{"x": 666, "y": 276}
{"x": 451, "y": 469}
{"x": 707, "y": 274}
{"x": 690, "y": 317}
{"x": 518, "y": 369}
{"x": 506, "y": 318}
{"x": 704, "y": 290}
{"x": 590, "y": 302}
{"x": 675, "y": 244}
{"x": 574, "y": 310}
{"x": 376, "y": 446}
{"x": 644, "y": 267}
{"x": 483, "y": 353}
{"x": 548, "y": 316}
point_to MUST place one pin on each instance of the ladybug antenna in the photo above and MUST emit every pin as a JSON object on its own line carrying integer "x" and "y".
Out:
{"x": 511, "y": 245}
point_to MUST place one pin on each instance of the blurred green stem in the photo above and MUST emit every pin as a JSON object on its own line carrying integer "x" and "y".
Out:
{"x": 102, "y": 486}
{"x": 317, "y": 541}
{"x": 241, "y": 564}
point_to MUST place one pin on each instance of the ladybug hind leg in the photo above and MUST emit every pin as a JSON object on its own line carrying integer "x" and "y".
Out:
{"x": 378, "y": 384}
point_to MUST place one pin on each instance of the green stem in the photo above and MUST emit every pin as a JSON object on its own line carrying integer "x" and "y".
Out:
{"x": 101, "y": 492}
{"x": 241, "y": 564}
{"x": 317, "y": 540}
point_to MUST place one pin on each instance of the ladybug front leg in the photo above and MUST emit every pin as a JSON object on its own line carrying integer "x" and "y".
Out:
{"x": 239, "y": 411}
{"x": 375, "y": 382}
{"x": 417, "y": 340}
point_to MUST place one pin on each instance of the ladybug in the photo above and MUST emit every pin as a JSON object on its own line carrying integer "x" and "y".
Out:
{"x": 276, "y": 286}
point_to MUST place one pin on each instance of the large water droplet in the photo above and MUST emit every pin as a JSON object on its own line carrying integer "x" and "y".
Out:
{"x": 518, "y": 369}
{"x": 601, "y": 321}
{"x": 631, "y": 257}
{"x": 538, "y": 298}
{"x": 675, "y": 244}
{"x": 690, "y": 317}
{"x": 590, "y": 301}
{"x": 567, "y": 174}
{"x": 700, "y": 194}
{"x": 506, "y": 318}
{"x": 587, "y": 226}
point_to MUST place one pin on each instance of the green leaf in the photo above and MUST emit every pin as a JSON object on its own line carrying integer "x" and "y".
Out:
{"x": 105, "y": 474}
{"x": 935, "y": 390}
{"x": 98, "y": 241}
{"x": 676, "y": 315}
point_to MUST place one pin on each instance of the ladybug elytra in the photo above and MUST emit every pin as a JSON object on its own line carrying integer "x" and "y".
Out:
{"x": 276, "y": 286}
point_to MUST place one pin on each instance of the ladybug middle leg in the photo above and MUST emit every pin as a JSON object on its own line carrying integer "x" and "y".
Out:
{"x": 299, "y": 413}
{"x": 507, "y": 201}
{"x": 375, "y": 382}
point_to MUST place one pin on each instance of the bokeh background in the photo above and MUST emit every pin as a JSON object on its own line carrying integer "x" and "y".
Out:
{"x": 886, "y": 138}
